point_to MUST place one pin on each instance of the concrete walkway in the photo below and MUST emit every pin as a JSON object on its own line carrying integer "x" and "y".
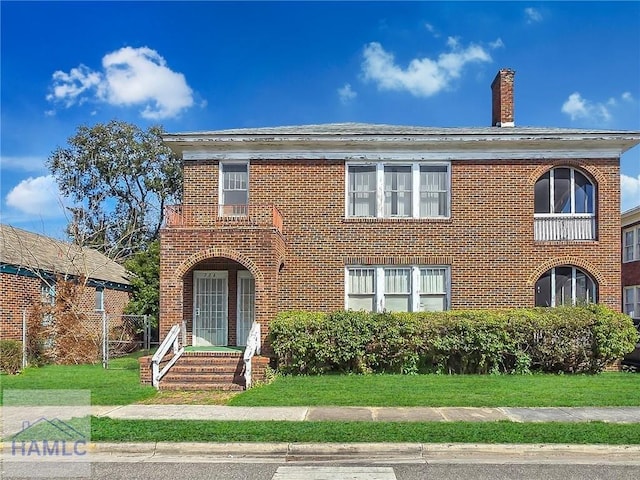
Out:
{"x": 379, "y": 414}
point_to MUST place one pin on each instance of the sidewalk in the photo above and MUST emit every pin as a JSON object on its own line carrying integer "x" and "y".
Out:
{"x": 375, "y": 414}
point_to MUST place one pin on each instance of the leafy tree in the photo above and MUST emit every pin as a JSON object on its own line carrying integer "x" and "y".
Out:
{"x": 145, "y": 269}
{"x": 120, "y": 178}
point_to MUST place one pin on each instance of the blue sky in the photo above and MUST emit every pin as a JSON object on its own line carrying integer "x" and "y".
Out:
{"x": 214, "y": 65}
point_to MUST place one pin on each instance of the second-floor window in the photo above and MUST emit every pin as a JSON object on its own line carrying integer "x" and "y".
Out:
{"x": 234, "y": 188}
{"x": 384, "y": 190}
{"x": 631, "y": 244}
{"x": 564, "y": 206}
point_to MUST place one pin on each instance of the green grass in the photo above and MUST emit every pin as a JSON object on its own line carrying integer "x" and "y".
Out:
{"x": 110, "y": 430}
{"x": 118, "y": 385}
{"x": 606, "y": 389}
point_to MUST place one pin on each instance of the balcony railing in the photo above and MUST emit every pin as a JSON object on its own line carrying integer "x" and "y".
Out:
{"x": 217, "y": 216}
{"x": 564, "y": 228}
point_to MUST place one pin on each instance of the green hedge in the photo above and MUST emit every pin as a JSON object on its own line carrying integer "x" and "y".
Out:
{"x": 10, "y": 356}
{"x": 566, "y": 339}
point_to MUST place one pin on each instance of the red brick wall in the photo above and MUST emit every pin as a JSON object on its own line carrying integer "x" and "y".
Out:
{"x": 488, "y": 241}
{"x": 19, "y": 292}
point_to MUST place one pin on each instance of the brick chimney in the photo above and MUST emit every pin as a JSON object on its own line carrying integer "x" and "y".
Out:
{"x": 502, "y": 99}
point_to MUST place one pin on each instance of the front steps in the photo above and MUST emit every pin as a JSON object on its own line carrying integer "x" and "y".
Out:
{"x": 206, "y": 371}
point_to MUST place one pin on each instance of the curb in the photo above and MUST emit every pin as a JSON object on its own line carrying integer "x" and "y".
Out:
{"x": 423, "y": 450}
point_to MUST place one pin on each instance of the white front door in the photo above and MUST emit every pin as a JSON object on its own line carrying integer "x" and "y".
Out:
{"x": 246, "y": 306}
{"x": 210, "y": 301}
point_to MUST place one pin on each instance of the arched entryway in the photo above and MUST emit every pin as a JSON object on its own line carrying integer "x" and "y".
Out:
{"x": 219, "y": 298}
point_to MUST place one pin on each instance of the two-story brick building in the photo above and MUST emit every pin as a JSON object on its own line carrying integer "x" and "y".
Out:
{"x": 630, "y": 221}
{"x": 325, "y": 217}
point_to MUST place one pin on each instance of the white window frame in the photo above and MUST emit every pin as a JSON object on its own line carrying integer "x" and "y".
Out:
{"x": 380, "y": 188}
{"x": 47, "y": 292}
{"x": 414, "y": 279}
{"x": 221, "y": 190}
{"x": 631, "y": 301}
{"x": 574, "y": 271}
{"x": 633, "y": 247}
{"x": 572, "y": 187}
{"x": 99, "y": 299}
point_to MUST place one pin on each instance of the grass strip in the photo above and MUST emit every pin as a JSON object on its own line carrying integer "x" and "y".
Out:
{"x": 117, "y": 385}
{"x": 544, "y": 390}
{"x": 113, "y": 430}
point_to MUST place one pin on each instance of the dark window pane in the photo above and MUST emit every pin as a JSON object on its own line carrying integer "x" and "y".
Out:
{"x": 543, "y": 290}
{"x": 584, "y": 194}
{"x": 562, "y": 190}
{"x": 563, "y": 286}
{"x": 542, "y": 195}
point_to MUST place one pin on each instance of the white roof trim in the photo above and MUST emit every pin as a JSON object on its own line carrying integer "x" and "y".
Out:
{"x": 398, "y": 155}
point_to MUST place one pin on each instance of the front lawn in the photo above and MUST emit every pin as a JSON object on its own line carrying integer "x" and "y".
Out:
{"x": 605, "y": 389}
{"x": 118, "y": 385}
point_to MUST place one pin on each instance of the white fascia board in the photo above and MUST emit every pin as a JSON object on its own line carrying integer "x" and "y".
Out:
{"x": 398, "y": 155}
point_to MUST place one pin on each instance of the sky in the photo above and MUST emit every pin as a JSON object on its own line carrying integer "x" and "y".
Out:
{"x": 195, "y": 66}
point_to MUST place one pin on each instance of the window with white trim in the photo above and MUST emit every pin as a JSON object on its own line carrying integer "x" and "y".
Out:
{"x": 565, "y": 285}
{"x": 361, "y": 293}
{"x": 48, "y": 292}
{"x": 564, "y": 190}
{"x": 433, "y": 289}
{"x": 631, "y": 244}
{"x": 401, "y": 288}
{"x": 632, "y": 301}
{"x": 398, "y": 190}
{"x": 234, "y": 189}
{"x": 99, "y": 299}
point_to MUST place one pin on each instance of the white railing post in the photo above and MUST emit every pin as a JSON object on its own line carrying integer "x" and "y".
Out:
{"x": 170, "y": 341}
{"x": 253, "y": 346}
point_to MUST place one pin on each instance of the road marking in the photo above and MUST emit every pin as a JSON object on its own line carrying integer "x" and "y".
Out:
{"x": 334, "y": 473}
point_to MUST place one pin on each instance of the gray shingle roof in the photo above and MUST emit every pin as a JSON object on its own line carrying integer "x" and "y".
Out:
{"x": 31, "y": 251}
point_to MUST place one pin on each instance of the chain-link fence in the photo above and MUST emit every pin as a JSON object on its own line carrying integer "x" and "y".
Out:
{"x": 90, "y": 337}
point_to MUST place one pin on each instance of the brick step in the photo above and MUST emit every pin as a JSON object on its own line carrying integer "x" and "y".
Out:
{"x": 227, "y": 387}
{"x": 209, "y": 360}
{"x": 205, "y": 378}
{"x": 196, "y": 369}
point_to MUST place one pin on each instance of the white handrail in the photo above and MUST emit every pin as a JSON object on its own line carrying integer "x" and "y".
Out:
{"x": 253, "y": 347}
{"x": 171, "y": 340}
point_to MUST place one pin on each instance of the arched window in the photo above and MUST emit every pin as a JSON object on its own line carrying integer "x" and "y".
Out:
{"x": 564, "y": 205}
{"x": 565, "y": 285}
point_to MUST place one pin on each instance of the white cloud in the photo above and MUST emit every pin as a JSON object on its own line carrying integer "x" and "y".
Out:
{"x": 130, "y": 77}
{"x": 579, "y": 108}
{"x": 68, "y": 87}
{"x": 23, "y": 164}
{"x": 629, "y": 191}
{"x": 346, "y": 93}
{"x": 497, "y": 43}
{"x": 533, "y": 15}
{"x": 36, "y": 196}
{"x": 431, "y": 29}
{"x": 423, "y": 77}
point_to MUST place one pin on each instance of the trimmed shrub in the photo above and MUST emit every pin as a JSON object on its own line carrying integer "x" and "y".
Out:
{"x": 580, "y": 339}
{"x": 10, "y": 356}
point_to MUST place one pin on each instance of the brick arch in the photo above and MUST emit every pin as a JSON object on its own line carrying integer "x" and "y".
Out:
{"x": 594, "y": 173}
{"x": 223, "y": 252}
{"x": 585, "y": 265}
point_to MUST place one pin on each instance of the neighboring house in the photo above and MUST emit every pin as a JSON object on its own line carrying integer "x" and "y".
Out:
{"x": 381, "y": 217}
{"x": 30, "y": 265}
{"x": 631, "y": 263}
